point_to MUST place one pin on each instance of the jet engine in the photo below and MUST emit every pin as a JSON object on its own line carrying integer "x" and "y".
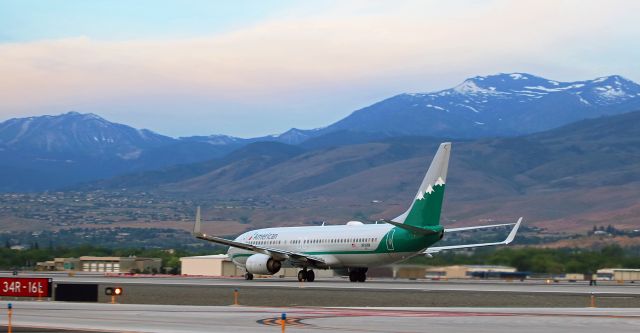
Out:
{"x": 262, "y": 264}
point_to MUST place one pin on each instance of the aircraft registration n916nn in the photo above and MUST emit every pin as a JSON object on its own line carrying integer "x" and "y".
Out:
{"x": 354, "y": 247}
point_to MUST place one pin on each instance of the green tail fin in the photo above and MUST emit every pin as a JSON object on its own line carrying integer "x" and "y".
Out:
{"x": 427, "y": 205}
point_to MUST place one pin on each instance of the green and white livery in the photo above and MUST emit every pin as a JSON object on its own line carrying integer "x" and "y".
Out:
{"x": 354, "y": 247}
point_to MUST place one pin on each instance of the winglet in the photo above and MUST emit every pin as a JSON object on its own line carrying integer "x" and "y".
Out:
{"x": 196, "y": 227}
{"x": 513, "y": 232}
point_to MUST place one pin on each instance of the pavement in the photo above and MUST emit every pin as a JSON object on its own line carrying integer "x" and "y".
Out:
{"x": 171, "y": 290}
{"x": 526, "y": 286}
{"x": 95, "y": 317}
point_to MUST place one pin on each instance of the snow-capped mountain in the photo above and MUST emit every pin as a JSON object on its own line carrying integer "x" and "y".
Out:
{"x": 602, "y": 91}
{"x": 495, "y": 105}
{"x": 74, "y": 133}
{"x": 215, "y": 139}
{"x": 48, "y": 152}
{"x": 293, "y": 136}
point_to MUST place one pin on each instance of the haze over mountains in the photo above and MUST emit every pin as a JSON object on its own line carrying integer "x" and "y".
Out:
{"x": 482, "y": 106}
{"x": 51, "y": 152}
{"x": 576, "y": 176}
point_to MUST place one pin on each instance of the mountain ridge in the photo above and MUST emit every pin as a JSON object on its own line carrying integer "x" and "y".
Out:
{"x": 507, "y": 102}
{"x": 73, "y": 147}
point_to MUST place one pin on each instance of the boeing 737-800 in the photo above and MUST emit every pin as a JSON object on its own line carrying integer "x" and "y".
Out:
{"x": 354, "y": 247}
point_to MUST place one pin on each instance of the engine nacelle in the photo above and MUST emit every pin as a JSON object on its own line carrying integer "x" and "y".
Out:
{"x": 262, "y": 264}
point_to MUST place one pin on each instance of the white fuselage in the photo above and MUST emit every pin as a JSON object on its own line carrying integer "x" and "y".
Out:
{"x": 352, "y": 245}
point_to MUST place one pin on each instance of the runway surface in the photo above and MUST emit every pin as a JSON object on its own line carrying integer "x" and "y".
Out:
{"x": 170, "y": 318}
{"x": 172, "y": 290}
{"x": 528, "y": 286}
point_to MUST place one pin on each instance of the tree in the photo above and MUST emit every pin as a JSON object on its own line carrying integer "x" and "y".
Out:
{"x": 611, "y": 229}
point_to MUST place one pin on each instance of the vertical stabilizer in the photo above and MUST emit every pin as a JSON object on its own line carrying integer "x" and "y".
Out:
{"x": 427, "y": 205}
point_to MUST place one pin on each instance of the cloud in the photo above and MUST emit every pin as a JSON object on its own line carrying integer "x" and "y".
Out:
{"x": 352, "y": 54}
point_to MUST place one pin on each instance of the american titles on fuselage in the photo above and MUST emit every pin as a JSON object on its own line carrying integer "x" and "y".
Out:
{"x": 267, "y": 236}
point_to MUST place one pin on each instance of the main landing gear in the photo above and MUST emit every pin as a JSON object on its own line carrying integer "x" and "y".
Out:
{"x": 248, "y": 276}
{"x": 305, "y": 275}
{"x": 358, "y": 275}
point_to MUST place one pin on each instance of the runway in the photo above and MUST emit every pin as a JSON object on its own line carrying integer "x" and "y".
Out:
{"x": 171, "y": 290}
{"x": 171, "y": 318}
{"x": 528, "y": 286}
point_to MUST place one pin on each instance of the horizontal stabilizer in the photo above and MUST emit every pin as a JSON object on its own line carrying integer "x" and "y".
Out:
{"x": 508, "y": 240}
{"x": 478, "y": 227}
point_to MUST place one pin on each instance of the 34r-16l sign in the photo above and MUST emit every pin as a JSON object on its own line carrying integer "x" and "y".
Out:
{"x": 25, "y": 287}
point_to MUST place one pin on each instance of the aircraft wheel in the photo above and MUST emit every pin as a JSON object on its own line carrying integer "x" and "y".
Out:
{"x": 302, "y": 275}
{"x": 311, "y": 276}
{"x": 248, "y": 276}
{"x": 362, "y": 276}
{"x": 353, "y": 276}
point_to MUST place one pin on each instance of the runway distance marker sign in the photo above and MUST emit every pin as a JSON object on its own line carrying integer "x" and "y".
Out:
{"x": 25, "y": 287}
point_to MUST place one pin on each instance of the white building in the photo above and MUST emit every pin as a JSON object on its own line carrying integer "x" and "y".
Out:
{"x": 221, "y": 265}
{"x": 211, "y": 265}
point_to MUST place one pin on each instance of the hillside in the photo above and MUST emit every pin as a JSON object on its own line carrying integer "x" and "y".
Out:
{"x": 569, "y": 178}
{"x": 242, "y": 162}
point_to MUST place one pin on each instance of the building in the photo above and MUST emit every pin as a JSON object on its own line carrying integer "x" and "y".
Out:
{"x": 619, "y": 274}
{"x": 473, "y": 271}
{"x": 211, "y": 265}
{"x": 59, "y": 264}
{"x": 103, "y": 264}
{"x": 221, "y": 265}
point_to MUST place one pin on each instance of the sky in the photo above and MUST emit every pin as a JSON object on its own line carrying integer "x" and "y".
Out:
{"x": 251, "y": 68}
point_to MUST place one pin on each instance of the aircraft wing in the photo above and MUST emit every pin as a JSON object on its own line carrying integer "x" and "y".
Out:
{"x": 277, "y": 254}
{"x": 509, "y": 239}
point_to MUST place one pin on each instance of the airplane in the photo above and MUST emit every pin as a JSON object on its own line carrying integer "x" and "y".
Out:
{"x": 352, "y": 248}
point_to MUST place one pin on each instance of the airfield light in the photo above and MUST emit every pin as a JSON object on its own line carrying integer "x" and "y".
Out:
{"x": 113, "y": 291}
{"x": 235, "y": 296}
{"x": 283, "y": 321}
{"x": 9, "y": 315}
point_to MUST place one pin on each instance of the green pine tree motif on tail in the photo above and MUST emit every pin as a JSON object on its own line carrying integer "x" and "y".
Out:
{"x": 427, "y": 207}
